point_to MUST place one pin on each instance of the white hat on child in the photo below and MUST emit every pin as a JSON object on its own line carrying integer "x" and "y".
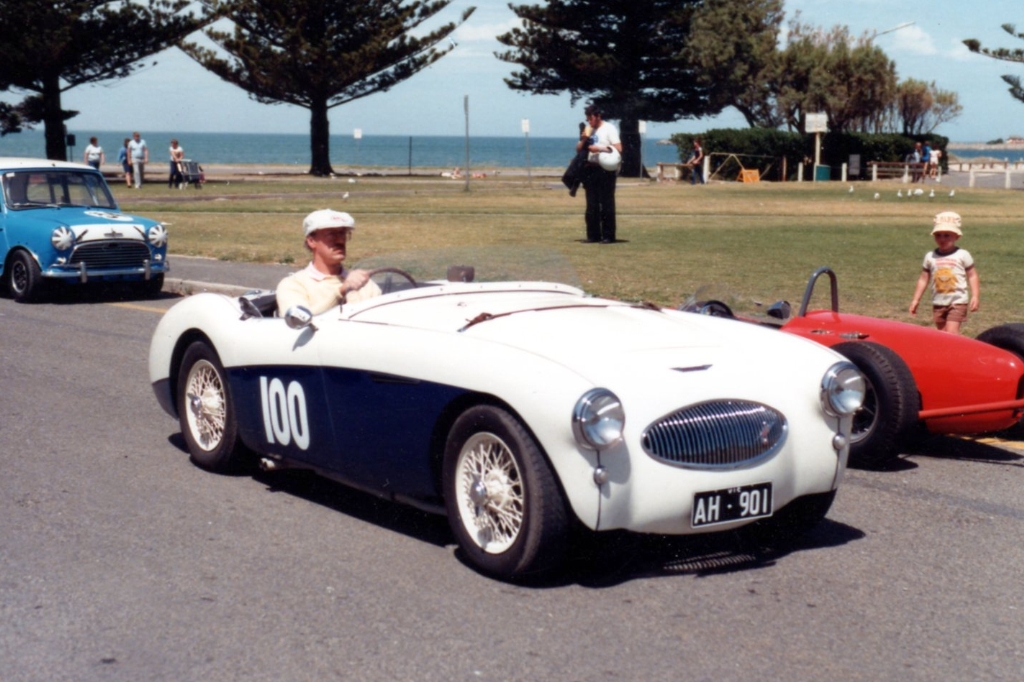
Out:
{"x": 326, "y": 219}
{"x": 947, "y": 221}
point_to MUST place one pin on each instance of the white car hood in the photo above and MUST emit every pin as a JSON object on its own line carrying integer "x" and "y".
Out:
{"x": 598, "y": 338}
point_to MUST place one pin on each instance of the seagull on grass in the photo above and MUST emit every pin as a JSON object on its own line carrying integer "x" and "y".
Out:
{"x": 899, "y": 193}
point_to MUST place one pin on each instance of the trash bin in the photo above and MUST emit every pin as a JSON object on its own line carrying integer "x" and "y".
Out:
{"x": 822, "y": 173}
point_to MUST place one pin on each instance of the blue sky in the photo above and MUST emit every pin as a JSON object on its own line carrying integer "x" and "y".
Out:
{"x": 178, "y": 95}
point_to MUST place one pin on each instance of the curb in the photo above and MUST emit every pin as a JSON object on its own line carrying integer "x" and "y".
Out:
{"x": 190, "y": 287}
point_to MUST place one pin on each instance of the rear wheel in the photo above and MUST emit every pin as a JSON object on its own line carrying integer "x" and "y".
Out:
{"x": 891, "y": 403}
{"x": 206, "y": 411}
{"x": 25, "y": 279}
{"x": 1009, "y": 337}
{"x": 504, "y": 504}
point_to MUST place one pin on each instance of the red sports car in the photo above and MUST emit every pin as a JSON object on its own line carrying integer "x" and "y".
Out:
{"x": 917, "y": 375}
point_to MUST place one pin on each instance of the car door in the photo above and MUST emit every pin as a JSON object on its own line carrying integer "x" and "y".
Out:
{"x": 383, "y": 413}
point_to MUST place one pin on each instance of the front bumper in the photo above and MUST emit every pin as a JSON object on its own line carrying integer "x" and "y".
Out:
{"x": 83, "y": 273}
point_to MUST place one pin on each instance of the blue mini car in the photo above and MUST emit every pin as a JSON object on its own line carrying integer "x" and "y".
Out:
{"x": 59, "y": 221}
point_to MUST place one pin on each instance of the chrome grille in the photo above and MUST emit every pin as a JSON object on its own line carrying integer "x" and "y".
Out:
{"x": 111, "y": 254}
{"x": 719, "y": 433}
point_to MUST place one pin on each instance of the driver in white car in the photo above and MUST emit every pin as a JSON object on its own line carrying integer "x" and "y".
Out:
{"x": 325, "y": 282}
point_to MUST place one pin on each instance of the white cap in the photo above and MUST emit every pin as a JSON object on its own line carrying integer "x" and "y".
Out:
{"x": 947, "y": 221}
{"x": 326, "y": 219}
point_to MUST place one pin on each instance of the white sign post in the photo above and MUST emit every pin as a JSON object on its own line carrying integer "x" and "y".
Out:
{"x": 816, "y": 123}
{"x": 357, "y": 135}
{"x": 526, "y": 132}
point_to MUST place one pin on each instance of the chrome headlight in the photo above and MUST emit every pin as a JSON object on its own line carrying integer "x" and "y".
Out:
{"x": 842, "y": 389}
{"x": 157, "y": 235}
{"x": 62, "y": 238}
{"x": 598, "y": 419}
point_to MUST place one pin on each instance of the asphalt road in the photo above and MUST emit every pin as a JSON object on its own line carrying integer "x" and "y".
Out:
{"x": 120, "y": 560}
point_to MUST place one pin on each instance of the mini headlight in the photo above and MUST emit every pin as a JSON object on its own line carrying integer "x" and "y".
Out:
{"x": 157, "y": 235}
{"x": 62, "y": 238}
{"x": 598, "y": 419}
{"x": 842, "y": 389}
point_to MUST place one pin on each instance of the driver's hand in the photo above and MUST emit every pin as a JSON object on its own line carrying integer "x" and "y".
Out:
{"x": 355, "y": 279}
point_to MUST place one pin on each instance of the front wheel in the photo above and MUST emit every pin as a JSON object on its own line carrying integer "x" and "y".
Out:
{"x": 206, "y": 411}
{"x": 152, "y": 287}
{"x": 26, "y": 279}
{"x": 891, "y": 403}
{"x": 504, "y": 505}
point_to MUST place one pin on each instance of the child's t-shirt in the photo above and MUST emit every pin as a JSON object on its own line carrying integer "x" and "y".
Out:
{"x": 949, "y": 276}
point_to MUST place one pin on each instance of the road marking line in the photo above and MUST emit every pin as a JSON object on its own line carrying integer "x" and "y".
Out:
{"x": 1013, "y": 444}
{"x": 136, "y": 306}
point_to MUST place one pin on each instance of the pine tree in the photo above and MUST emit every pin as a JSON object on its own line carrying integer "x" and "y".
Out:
{"x": 1006, "y": 55}
{"x": 623, "y": 55}
{"x": 319, "y": 54}
{"x": 50, "y": 46}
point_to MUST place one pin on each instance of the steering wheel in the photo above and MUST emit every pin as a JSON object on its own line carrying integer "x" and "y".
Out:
{"x": 388, "y": 285}
{"x": 714, "y": 309}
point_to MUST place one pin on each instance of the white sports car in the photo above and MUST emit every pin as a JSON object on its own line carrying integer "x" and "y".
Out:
{"x": 522, "y": 410}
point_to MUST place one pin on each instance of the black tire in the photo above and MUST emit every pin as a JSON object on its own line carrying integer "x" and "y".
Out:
{"x": 1009, "y": 337}
{"x": 25, "y": 278}
{"x": 152, "y": 287}
{"x": 504, "y": 505}
{"x": 790, "y": 523}
{"x": 206, "y": 411}
{"x": 891, "y": 404}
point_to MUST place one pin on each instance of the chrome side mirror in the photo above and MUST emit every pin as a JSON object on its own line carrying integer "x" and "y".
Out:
{"x": 299, "y": 317}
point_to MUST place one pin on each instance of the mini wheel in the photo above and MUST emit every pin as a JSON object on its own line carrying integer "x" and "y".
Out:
{"x": 152, "y": 287}
{"x": 504, "y": 505}
{"x": 891, "y": 403}
{"x": 25, "y": 279}
{"x": 206, "y": 411}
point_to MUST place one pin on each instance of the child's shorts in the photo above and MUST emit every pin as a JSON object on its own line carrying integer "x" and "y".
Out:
{"x": 949, "y": 313}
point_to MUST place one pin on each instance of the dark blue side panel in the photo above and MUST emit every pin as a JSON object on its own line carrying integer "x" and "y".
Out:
{"x": 282, "y": 410}
{"x": 383, "y": 426}
{"x": 372, "y": 429}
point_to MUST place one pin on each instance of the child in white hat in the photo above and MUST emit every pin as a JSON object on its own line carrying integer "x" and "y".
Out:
{"x": 951, "y": 271}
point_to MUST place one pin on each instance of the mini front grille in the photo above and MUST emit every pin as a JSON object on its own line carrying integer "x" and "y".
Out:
{"x": 111, "y": 254}
{"x": 719, "y": 433}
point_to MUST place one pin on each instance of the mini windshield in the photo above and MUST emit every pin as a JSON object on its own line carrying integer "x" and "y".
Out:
{"x": 48, "y": 188}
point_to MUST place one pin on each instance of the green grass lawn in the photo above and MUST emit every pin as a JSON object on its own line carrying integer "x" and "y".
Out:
{"x": 760, "y": 240}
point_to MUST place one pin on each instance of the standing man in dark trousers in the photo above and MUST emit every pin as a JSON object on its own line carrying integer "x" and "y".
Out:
{"x": 601, "y": 139}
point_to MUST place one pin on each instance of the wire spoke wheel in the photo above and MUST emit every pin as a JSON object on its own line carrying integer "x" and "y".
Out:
{"x": 490, "y": 492}
{"x": 205, "y": 405}
{"x": 503, "y": 500}
{"x": 206, "y": 411}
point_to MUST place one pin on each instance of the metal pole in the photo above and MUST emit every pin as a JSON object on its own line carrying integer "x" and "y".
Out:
{"x": 410, "y": 155}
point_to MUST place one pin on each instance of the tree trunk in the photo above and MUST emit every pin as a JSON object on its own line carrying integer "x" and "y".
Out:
{"x": 320, "y": 140}
{"x": 632, "y": 144}
{"x": 53, "y": 120}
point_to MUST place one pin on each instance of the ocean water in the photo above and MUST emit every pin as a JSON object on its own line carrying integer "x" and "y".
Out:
{"x": 372, "y": 150}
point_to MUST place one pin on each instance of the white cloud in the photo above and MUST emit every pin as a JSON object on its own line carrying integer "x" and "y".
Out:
{"x": 912, "y": 40}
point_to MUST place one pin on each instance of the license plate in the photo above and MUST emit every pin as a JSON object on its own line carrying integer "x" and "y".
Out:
{"x": 731, "y": 504}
